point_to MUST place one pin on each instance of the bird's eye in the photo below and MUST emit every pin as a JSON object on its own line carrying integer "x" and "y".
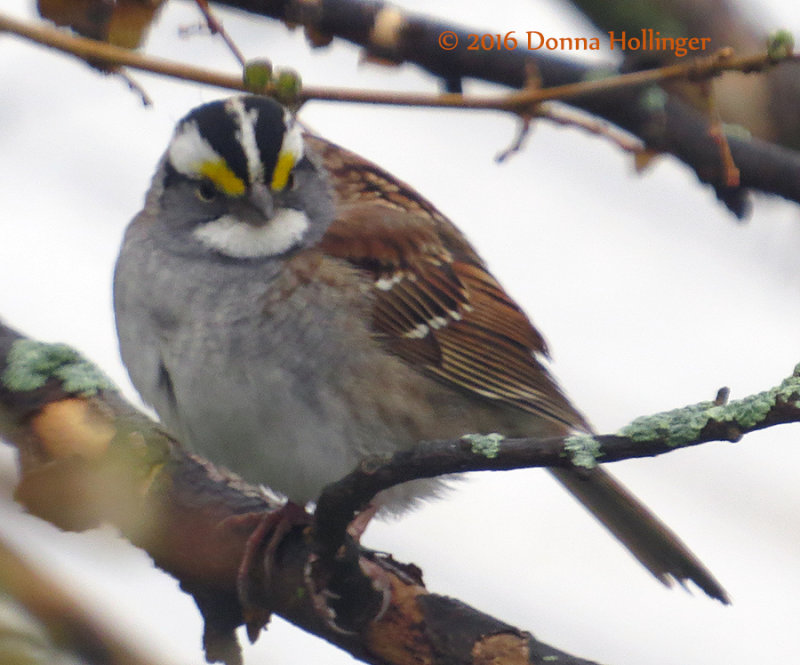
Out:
{"x": 206, "y": 192}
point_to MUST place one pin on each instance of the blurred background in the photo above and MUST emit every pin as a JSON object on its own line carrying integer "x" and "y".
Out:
{"x": 650, "y": 293}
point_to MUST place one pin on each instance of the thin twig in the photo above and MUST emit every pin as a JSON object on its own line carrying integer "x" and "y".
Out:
{"x": 569, "y": 117}
{"x": 731, "y": 174}
{"x": 516, "y": 102}
{"x": 523, "y": 131}
{"x": 684, "y": 132}
{"x": 647, "y": 436}
{"x": 216, "y": 27}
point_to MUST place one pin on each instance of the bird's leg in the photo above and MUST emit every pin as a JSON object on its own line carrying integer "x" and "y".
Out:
{"x": 259, "y": 559}
{"x": 348, "y": 587}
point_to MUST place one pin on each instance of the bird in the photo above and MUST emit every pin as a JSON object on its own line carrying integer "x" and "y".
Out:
{"x": 288, "y": 308}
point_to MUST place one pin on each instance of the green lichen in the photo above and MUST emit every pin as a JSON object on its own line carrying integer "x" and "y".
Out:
{"x": 599, "y": 74}
{"x": 487, "y": 445}
{"x": 791, "y": 385}
{"x": 682, "y": 426}
{"x": 31, "y": 364}
{"x": 676, "y": 427}
{"x": 583, "y": 450}
{"x": 653, "y": 99}
{"x": 733, "y": 130}
{"x": 750, "y": 410}
{"x": 780, "y": 45}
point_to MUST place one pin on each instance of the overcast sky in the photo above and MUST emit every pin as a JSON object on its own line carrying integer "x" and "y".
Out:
{"x": 650, "y": 294}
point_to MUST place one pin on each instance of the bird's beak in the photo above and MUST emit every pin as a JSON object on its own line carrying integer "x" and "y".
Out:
{"x": 257, "y": 207}
{"x": 261, "y": 199}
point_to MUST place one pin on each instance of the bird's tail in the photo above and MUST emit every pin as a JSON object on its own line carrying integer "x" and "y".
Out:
{"x": 651, "y": 541}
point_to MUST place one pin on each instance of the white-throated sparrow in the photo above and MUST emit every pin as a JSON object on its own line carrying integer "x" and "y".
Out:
{"x": 288, "y": 307}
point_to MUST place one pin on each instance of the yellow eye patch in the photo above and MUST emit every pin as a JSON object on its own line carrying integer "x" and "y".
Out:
{"x": 225, "y": 180}
{"x": 280, "y": 174}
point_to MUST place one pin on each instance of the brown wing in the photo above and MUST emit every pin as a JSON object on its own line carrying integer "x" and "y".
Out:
{"x": 436, "y": 306}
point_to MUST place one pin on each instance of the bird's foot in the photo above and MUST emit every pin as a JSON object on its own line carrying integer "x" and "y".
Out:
{"x": 360, "y": 522}
{"x": 254, "y": 579}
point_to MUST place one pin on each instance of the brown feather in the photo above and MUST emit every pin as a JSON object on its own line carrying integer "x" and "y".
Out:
{"x": 438, "y": 308}
{"x": 436, "y": 305}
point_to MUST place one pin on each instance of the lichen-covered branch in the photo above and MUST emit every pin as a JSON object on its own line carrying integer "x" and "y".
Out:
{"x": 86, "y": 457}
{"x": 645, "y": 437}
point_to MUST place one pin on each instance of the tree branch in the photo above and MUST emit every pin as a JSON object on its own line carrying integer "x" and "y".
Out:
{"x": 73, "y": 634}
{"x": 521, "y": 102}
{"x": 649, "y": 112}
{"x": 86, "y": 457}
{"x": 632, "y": 101}
{"x": 645, "y": 437}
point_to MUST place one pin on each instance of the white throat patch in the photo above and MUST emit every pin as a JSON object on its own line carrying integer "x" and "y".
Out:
{"x": 232, "y": 237}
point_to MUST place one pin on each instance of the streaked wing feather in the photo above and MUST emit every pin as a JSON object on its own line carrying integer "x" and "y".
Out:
{"x": 436, "y": 305}
{"x": 438, "y": 308}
